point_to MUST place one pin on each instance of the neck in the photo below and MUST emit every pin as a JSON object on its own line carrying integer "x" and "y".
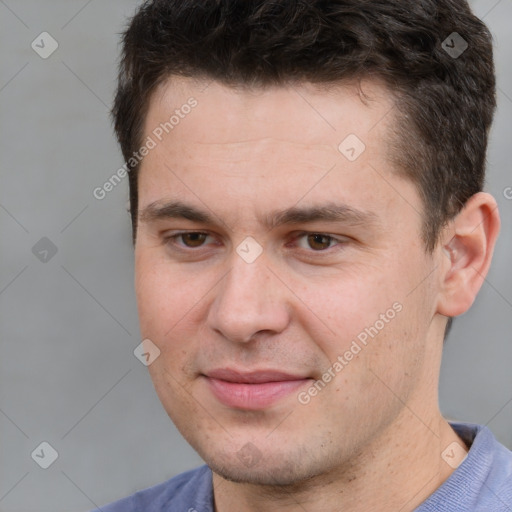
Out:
{"x": 398, "y": 471}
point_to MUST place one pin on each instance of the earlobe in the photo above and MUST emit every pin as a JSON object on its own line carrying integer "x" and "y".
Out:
{"x": 468, "y": 247}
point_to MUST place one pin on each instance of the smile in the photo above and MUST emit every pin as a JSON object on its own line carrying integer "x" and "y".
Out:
{"x": 254, "y": 390}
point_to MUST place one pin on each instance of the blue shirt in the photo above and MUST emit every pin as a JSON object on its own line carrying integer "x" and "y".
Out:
{"x": 482, "y": 483}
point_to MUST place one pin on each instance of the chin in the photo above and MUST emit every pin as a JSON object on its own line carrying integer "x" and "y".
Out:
{"x": 265, "y": 472}
{"x": 261, "y": 476}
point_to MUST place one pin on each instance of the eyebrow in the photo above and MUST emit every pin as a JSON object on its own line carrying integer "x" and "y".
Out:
{"x": 329, "y": 212}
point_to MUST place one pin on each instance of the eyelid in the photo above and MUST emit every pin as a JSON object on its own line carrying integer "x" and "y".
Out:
{"x": 173, "y": 236}
{"x": 341, "y": 240}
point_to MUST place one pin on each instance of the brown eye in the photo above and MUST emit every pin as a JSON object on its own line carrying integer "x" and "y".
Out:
{"x": 319, "y": 242}
{"x": 193, "y": 239}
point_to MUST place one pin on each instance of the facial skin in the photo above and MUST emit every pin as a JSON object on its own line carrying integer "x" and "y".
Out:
{"x": 372, "y": 437}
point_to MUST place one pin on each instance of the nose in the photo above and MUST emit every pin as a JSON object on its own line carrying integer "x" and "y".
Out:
{"x": 250, "y": 301}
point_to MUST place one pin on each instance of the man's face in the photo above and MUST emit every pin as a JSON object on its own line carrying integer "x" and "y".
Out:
{"x": 251, "y": 305}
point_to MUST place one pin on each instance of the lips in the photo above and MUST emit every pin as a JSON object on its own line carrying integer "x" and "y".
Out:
{"x": 253, "y": 390}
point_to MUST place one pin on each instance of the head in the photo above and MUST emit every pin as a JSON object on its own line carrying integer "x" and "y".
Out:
{"x": 345, "y": 118}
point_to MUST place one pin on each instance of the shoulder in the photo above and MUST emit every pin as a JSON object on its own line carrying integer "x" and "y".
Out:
{"x": 188, "y": 491}
{"x": 499, "y": 479}
{"x": 488, "y": 468}
{"x": 482, "y": 482}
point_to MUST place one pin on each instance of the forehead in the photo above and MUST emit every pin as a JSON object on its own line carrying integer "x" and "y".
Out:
{"x": 300, "y": 113}
{"x": 249, "y": 152}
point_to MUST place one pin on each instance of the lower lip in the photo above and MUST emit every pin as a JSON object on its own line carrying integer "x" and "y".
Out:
{"x": 252, "y": 396}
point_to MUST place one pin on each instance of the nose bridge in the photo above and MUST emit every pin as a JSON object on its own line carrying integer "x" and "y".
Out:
{"x": 249, "y": 300}
{"x": 247, "y": 281}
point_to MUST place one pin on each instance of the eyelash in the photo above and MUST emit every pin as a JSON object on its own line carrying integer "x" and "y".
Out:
{"x": 171, "y": 240}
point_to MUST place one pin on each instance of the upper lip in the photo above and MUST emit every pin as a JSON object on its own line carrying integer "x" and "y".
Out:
{"x": 252, "y": 377}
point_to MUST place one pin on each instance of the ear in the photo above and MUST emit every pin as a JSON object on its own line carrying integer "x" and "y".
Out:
{"x": 467, "y": 246}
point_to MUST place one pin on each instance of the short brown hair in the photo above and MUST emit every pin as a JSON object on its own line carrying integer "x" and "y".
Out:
{"x": 444, "y": 92}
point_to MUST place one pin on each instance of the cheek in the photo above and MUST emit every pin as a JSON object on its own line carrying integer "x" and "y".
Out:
{"x": 344, "y": 308}
{"x": 374, "y": 324}
{"x": 163, "y": 296}
{"x": 152, "y": 302}
{"x": 170, "y": 304}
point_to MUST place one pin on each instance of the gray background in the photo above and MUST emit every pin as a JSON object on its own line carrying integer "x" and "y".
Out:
{"x": 68, "y": 326}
